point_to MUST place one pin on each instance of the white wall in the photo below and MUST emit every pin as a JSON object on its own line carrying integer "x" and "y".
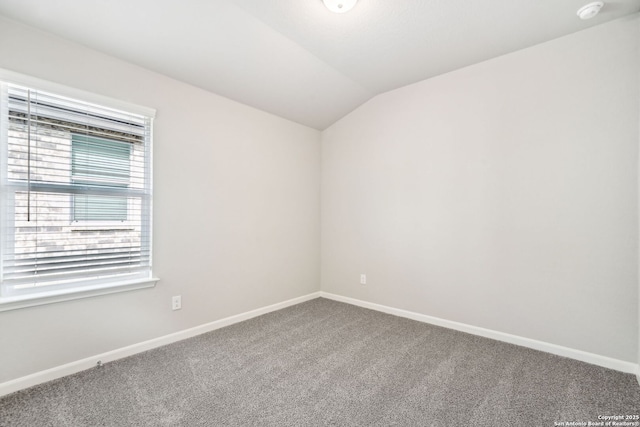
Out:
{"x": 236, "y": 211}
{"x": 503, "y": 195}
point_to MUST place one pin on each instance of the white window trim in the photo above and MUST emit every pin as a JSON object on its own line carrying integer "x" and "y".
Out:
{"x": 61, "y": 295}
{"x": 23, "y": 80}
{"x": 49, "y": 297}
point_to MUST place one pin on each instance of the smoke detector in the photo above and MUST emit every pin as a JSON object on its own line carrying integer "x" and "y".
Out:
{"x": 340, "y": 6}
{"x": 590, "y": 10}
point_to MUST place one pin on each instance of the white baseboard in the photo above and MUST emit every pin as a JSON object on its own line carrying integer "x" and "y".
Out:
{"x": 90, "y": 362}
{"x": 594, "y": 359}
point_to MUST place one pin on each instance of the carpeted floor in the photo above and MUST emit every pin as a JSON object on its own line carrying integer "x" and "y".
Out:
{"x": 326, "y": 363}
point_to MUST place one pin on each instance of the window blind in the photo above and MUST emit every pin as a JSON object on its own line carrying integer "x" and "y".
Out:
{"x": 76, "y": 181}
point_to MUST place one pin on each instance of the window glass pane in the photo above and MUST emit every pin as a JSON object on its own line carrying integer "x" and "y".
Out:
{"x": 100, "y": 161}
{"x": 99, "y": 208}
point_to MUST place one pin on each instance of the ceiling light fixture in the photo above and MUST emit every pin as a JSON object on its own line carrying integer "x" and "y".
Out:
{"x": 590, "y": 10}
{"x": 340, "y": 6}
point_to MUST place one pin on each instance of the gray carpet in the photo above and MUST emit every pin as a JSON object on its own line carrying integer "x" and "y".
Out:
{"x": 326, "y": 363}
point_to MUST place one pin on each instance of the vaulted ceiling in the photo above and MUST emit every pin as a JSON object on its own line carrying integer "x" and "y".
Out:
{"x": 296, "y": 59}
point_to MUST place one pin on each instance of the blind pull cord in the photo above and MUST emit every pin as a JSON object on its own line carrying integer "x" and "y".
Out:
{"x": 28, "y": 155}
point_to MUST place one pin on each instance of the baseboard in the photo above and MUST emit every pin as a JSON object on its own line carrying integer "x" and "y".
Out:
{"x": 90, "y": 362}
{"x": 594, "y": 359}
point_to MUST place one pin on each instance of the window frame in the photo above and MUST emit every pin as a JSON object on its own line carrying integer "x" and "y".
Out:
{"x": 80, "y": 290}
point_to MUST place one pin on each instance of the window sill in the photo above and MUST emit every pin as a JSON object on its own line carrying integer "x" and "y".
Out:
{"x": 24, "y": 301}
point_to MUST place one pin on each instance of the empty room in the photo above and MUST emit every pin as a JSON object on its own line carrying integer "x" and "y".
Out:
{"x": 319, "y": 212}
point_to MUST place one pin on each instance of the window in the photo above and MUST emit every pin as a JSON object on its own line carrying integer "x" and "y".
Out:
{"x": 76, "y": 199}
{"x": 100, "y": 161}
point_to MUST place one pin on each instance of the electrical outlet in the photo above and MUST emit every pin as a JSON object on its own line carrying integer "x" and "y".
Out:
{"x": 363, "y": 279}
{"x": 176, "y": 302}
